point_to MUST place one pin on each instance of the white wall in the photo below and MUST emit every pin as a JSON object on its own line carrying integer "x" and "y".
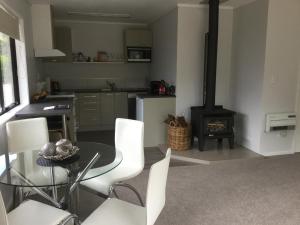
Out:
{"x": 78, "y": 76}
{"x": 89, "y": 38}
{"x": 297, "y": 133}
{"x": 266, "y": 70}
{"x": 26, "y": 67}
{"x": 25, "y": 55}
{"x": 192, "y": 26}
{"x": 248, "y": 58}
{"x": 22, "y": 9}
{"x": 164, "y": 51}
{"x": 281, "y": 70}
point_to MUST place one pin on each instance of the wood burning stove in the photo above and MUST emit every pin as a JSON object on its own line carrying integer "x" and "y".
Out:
{"x": 211, "y": 121}
{"x": 212, "y": 124}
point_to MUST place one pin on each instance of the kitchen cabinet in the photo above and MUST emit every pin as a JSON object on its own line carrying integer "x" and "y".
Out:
{"x": 98, "y": 111}
{"x": 153, "y": 111}
{"x": 87, "y": 110}
{"x": 107, "y": 108}
{"x": 138, "y": 38}
{"x": 121, "y": 105}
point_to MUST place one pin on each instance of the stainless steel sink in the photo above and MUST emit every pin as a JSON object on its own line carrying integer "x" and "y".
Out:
{"x": 106, "y": 90}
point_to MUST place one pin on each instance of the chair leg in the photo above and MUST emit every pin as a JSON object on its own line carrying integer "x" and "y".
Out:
{"x": 15, "y": 197}
{"x": 121, "y": 184}
{"x": 115, "y": 193}
{"x": 21, "y": 195}
{"x": 72, "y": 216}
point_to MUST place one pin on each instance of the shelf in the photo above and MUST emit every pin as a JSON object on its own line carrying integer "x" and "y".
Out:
{"x": 109, "y": 62}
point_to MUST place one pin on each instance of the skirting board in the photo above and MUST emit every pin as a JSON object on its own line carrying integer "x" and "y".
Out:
{"x": 268, "y": 154}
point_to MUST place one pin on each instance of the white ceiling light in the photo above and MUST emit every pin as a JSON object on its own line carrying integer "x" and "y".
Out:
{"x": 106, "y": 15}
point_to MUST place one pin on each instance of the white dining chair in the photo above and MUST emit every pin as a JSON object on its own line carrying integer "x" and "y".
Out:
{"x": 35, "y": 213}
{"x": 129, "y": 139}
{"x": 27, "y": 134}
{"x": 118, "y": 212}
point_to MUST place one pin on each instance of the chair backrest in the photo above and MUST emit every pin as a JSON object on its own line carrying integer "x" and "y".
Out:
{"x": 3, "y": 215}
{"x": 156, "y": 191}
{"x": 129, "y": 139}
{"x": 26, "y": 135}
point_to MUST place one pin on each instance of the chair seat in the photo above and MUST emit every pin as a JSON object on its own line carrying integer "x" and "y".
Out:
{"x": 43, "y": 176}
{"x": 102, "y": 183}
{"x": 117, "y": 212}
{"x": 36, "y": 213}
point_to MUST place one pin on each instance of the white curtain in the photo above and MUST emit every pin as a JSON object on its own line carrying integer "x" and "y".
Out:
{"x": 9, "y": 24}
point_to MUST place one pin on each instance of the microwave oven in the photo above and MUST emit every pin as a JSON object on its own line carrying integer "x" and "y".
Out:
{"x": 138, "y": 54}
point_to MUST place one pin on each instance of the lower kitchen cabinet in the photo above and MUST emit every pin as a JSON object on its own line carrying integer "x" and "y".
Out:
{"x": 98, "y": 111}
{"x": 87, "y": 110}
{"x": 107, "y": 108}
{"x": 121, "y": 105}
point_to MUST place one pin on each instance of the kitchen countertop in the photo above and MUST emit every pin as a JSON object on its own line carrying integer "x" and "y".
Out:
{"x": 130, "y": 90}
{"x": 142, "y": 96}
{"x": 36, "y": 109}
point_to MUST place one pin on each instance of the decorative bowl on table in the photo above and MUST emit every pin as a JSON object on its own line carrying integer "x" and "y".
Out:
{"x": 59, "y": 151}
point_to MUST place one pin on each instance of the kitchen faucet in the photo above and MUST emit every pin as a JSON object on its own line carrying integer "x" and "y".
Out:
{"x": 111, "y": 85}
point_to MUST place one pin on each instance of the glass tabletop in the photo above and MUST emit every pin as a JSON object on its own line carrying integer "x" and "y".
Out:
{"x": 28, "y": 169}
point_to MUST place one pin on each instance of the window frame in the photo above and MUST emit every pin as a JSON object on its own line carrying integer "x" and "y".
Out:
{"x": 13, "y": 54}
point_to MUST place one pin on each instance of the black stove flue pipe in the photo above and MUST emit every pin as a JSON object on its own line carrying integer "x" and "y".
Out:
{"x": 212, "y": 54}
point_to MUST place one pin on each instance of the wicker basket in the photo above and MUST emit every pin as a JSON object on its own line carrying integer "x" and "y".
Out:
{"x": 179, "y": 138}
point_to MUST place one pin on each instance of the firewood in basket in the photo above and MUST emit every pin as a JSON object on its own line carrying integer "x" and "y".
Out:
{"x": 170, "y": 119}
{"x": 181, "y": 121}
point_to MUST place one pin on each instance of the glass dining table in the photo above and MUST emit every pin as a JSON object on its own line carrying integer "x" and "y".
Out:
{"x": 28, "y": 170}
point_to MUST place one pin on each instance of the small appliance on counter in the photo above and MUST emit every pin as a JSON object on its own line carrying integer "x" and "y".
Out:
{"x": 52, "y": 86}
{"x": 161, "y": 88}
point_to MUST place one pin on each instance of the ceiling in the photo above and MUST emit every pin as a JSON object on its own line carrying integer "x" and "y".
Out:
{"x": 140, "y": 11}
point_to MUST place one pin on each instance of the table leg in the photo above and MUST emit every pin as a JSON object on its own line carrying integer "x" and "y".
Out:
{"x": 36, "y": 189}
{"x": 74, "y": 201}
{"x": 54, "y": 188}
{"x": 64, "y": 122}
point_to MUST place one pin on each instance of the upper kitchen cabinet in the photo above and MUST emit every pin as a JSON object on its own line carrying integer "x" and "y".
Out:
{"x": 138, "y": 38}
{"x": 42, "y": 29}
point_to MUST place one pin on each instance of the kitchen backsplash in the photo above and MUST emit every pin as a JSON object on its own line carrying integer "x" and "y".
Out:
{"x": 85, "y": 76}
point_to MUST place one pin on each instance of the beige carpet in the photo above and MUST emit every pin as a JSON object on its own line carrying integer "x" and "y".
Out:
{"x": 238, "y": 192}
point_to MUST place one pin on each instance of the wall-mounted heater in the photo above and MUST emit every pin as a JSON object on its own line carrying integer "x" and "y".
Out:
{"x": 280, "y": 121}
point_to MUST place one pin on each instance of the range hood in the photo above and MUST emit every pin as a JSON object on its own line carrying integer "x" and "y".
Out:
{"x": 47, "y": 52}
{"x": 42, "y": 29}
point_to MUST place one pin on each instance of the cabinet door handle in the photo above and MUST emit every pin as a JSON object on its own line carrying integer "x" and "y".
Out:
{"x": 109, "y": 94}
{"x": 90, "y": 96}
{"x": 89, "y": 103}
{"x": 90, "y": 109}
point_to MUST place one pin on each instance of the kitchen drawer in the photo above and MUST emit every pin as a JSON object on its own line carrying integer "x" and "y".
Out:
{"x": 88, "y": 105}
{"x": 89, "y": 110}
{"x": 88, "y": 97}
{"x": 89, "y": 117}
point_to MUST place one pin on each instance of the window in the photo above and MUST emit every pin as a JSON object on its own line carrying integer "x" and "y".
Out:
{"x": 9, "y": 87}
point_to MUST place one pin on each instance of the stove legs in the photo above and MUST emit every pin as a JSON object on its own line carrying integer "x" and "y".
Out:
{"x": 201, "y": 142}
